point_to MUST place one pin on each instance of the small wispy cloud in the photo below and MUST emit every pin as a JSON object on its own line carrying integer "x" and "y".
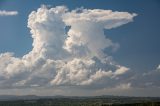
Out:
{"x": 8, "y": 13}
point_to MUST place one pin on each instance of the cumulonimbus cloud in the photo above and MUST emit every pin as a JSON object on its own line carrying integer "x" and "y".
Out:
{"x": 58, "y": 58}
{"x": 8, "y": 13}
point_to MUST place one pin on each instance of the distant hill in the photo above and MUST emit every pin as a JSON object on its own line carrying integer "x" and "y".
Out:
{"x": 15, "y": 97}
{"x": 108, "y": 97}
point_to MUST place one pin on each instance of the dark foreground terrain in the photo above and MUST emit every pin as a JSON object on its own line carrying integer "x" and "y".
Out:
{"x": 80, "y": 101}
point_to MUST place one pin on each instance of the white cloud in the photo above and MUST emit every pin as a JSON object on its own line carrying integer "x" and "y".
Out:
{"x": 158, "y": 68}
{"x": 121, "y": 70}
{"x": 87, "y": 30}
{"x": 57, "y": 58}
{"x": 123, "y": 86}
{"x": 8, "y": 13}
{"x": 119, "y": 89}
{"x": 148, "y": 79}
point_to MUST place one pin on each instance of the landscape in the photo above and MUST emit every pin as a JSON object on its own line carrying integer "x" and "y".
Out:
{"x": 79, "y": 52}
{"x": 33, "y": 100}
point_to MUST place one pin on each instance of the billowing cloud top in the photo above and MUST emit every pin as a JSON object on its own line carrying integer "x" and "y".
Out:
{"x": 8, "y": 13}
{"x": 65, "y": 57}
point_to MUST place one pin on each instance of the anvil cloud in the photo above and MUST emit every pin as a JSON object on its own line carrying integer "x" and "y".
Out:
{"x": 63, "y": 57}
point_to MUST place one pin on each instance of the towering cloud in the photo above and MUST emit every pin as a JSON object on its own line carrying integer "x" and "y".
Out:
{"x": 65, "y": 57}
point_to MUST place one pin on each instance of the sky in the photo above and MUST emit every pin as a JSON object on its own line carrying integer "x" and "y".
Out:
{"x": 80, "y": 47}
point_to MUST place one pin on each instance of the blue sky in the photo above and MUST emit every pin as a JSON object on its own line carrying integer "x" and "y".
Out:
{"x": 139, "y": 40}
